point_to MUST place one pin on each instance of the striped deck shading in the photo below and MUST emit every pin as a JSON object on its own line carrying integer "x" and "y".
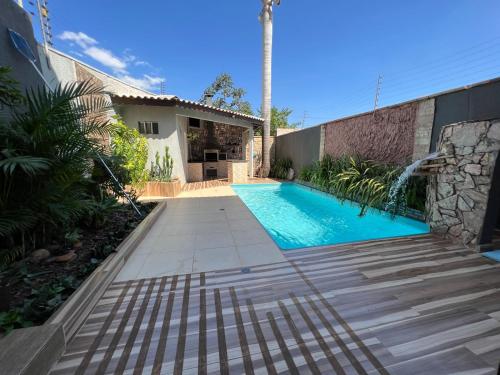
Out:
{"x": 417, "y": 305}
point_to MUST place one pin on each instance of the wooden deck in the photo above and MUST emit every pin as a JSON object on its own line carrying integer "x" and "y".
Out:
{"x": 416, "y": 305}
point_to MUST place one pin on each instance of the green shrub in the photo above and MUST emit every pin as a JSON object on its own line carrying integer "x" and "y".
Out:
{"x": 162, "y": 171}
{"x": 280, "y": 168}
{"x": 364, "y": 181}
{"x": 46, "y": 154}
{"x": 132, "y": 149}
{"x": 49, "y": 159}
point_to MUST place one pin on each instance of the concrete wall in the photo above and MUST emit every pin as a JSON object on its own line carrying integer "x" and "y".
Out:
{"x": 302, "y": 147}
{"x": 424, "y": 120}
{"x": 65, "y": 69}
{"x": 172, "y": 128}
{"x": 14, "y": 17}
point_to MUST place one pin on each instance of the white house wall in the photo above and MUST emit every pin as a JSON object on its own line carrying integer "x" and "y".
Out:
{"x": 172, "y": 129}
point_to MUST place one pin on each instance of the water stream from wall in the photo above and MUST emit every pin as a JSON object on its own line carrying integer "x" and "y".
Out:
{"x": 396, "y": 193}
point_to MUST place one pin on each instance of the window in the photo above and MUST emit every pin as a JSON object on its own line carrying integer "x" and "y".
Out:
{"x": 148, "y": 127}
{"x": 194, "y": 123}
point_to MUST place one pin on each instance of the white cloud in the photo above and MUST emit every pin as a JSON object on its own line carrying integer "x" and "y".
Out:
{"x": 141, "y": 63}
{"x": 146, "y": 82}
{"x": 82, "y": 39}
{"x": 89, "y": 46}
{"x": 106, "y": 58}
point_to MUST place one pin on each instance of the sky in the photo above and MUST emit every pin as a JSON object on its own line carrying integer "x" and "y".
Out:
{"x": 327, "y": 55}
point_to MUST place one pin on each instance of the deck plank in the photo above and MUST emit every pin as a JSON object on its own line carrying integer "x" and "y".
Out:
{"x": 415, "y": 305}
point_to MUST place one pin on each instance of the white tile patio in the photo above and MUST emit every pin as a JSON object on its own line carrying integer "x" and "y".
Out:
{"x": 201, "y": 231}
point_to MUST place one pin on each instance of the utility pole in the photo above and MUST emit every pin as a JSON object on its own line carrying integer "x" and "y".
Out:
{"x": 304, "y": 116}
{"x": 377, "y": 92}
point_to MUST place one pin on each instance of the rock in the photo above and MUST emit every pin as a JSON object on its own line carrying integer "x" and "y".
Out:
{"x": 485, "y": 171}
{"x": 448, "y": 149}
{"x": 467, "y": 135}
{"x": 463, "y": 206}
{"x": 494, "y": 132}
{"x": 467, "y": 150}
{"x": 467, "y": 237}
{"x": 451, "y": 169}
{"x": 68, "y": 257}
{"x": 488, "y": 145}
{"x": 436, "y": 215}
{"x": 473, "y": 169}
{"x": 448, "y": 212}
{"x": 77, "y": 245}
{"x": 440, "y": 229}
{"x": 456, "y": 230}
{"x": 445, "y": 190}
{"x": 40, "y": 254}
{"x": 476, "y": 158}
{"x": 475, "y": 195}
{"x": 473, "y": 221}
{"x": 447, "y": 131}
{"x": 290, "y": 175}
{"x": 450, "y": 220}
{"x": 449, "y": 203}
{"x": 481, "y": 180}
{"x": 468, "y": 201}
{"x": 445, "y": 178}
{"x": 467, "y": 184}
{"x": 486, "y": 159}
{"x": 485, "y": 189}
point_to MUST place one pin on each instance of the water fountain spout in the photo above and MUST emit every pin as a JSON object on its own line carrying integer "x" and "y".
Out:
{"x": 402, "y": 181}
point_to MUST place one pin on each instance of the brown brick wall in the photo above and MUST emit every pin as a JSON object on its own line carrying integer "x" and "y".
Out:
{"x": 388, "y": 136}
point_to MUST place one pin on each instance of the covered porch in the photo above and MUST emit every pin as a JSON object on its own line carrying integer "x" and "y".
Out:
{"x": 218, "y": 151}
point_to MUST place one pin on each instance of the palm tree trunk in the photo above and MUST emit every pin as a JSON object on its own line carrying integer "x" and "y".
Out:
{"x": 267, "y": 44}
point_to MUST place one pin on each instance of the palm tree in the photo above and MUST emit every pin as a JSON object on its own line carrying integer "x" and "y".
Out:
{"x": 266, "y": 18}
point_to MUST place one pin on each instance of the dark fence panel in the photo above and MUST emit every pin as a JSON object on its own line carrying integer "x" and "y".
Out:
{"x": 477, "y": 103}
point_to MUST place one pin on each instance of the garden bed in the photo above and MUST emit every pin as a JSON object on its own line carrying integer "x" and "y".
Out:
{"x": 31, "y": 290}
{"x": 169, "y": 189}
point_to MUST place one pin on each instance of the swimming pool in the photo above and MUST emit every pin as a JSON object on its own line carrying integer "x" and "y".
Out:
{"x": 296, "y": 216}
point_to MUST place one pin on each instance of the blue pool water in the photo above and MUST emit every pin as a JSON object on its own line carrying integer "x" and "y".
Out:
{"x": 296, "y": 216}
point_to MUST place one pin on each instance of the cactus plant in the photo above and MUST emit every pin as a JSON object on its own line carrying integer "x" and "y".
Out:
{"x": 162, "y": 171}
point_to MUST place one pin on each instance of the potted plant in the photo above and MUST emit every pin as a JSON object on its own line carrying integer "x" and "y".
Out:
{"x": 161, "y": 183}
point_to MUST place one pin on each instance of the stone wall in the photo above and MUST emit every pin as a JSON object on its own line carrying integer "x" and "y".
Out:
{"x": 458, "y": 195}
{"x": 257, "y": 152}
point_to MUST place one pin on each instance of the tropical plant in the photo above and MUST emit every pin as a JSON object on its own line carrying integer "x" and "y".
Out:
{"x": 47, "y": 155}
{"x": 280, "y": 168}
{"x": 132, "y": 149}
{"x": 364, "y": 181}
{"x": 162, "y": 171}
{"x": 9, "y": 94}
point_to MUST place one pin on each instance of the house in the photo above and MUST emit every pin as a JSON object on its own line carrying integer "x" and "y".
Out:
{"x": 205, "y": 142}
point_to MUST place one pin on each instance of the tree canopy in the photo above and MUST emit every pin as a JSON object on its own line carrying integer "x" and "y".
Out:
{"x": 227, "y": 96}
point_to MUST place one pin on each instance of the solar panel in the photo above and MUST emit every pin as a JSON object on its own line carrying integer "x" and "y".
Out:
{"x": 22, "y": 45}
